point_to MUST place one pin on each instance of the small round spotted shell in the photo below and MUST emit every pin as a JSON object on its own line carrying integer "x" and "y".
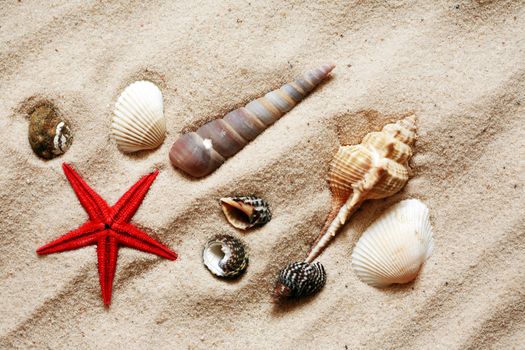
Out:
{"x": 225, "y": 256}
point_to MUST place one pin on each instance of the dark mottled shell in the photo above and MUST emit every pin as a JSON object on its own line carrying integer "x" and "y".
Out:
{"x": 245, "y": 212}
{"x": 300, "y": 279}
{"x": 225, "y": 256}
{"x": 49, "y": 135}
{"x": 207, "y": 148}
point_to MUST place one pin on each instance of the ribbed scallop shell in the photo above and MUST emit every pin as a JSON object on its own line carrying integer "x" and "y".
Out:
{"x": 245, "y": 212}
{"x": 300, "y": 279}
{"x": 395, "y": 246}
{"x": 225, "y": 256}
{"x": 139, "y": 123}
{"x": 199, "y": 153}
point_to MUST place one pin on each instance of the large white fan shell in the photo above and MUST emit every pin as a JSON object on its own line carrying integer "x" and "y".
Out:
{"x": 139, "y": 122}
{"x": 395, "y": 246}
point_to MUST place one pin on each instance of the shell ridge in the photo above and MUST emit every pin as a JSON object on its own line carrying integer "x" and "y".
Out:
{"x": 396, "y": 241}
{"x": 138, "y": 121}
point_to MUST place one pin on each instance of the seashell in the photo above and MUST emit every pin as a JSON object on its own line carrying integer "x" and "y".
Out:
{"x": 300, "y": 279}
{"x": 395, "y": 246}
{"x": 49, "y": 135}
{"x": 200, "y": 153}
{"x": 376, "y": 168}
{"x": 245, "y": 212}
{"x": 139, "y": 123}
{"x": 225, "y": 256}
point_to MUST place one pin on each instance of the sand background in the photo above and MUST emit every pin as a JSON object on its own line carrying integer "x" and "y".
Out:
{"x": 459, "y": 65}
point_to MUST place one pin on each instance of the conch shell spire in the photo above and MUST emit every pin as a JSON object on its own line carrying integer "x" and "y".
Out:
{"x": 199, "y": 153}
{"x": 376, "y": 168}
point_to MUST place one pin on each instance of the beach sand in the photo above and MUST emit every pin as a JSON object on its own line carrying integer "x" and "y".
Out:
{"x": 458, "y": 65}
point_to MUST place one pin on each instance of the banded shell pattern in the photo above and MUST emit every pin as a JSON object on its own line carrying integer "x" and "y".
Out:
{"x": 139, "y": 123}
{"x": 49, "y": 135}
{"x": 202, "y": 152}
{"x": 245, "y": 212}
{"x": 395, "y": 246}
{"x": 225, "y": 256}
{"x": 300, "y": 279}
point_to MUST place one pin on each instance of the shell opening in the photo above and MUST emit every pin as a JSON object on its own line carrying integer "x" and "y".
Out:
{"x": 237, "y": 213}
{"x": 215, "y": 256}
{"x": 237, "y": 217}
{"x": 218, "y": 253}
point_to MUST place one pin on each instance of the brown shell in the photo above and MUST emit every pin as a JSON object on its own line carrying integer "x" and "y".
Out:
{"x": 49, "y": 135}
{"x": 200, "y": 153}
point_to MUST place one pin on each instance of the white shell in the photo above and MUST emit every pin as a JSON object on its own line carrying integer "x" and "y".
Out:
{"x": 395, "y": 246}
{"x": 139, "y": 122}
{"x": 213, "y": 254}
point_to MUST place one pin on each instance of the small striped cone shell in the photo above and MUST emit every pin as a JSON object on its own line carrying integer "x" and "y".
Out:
{"x": 139, "y": 123}
{"x": 395, "y": 246}
{"x": 245, "y": 212}
{"x": 374, "y": 169}
{"x": 300, "y": 279}
{"x": 225, "y": 256}
{"x": 199, "y": 153}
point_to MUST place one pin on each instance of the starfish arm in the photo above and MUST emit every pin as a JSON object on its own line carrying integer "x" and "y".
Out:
{"x": 132, "y": 237}
{"x": 129, "y": 203}
{"x": 107, "y": 253}
{"x": 83, "y": 236}
{"x": 95, "y": 206}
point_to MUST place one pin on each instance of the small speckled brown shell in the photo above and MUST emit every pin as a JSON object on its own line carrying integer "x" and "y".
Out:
{"x": 49, "y": 135}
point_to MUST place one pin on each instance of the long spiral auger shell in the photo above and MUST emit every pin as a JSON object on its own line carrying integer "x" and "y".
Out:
{"x": 201, "y": 152}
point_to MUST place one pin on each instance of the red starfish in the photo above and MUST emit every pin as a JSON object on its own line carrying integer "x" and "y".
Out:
{"x": 108, "y": 228}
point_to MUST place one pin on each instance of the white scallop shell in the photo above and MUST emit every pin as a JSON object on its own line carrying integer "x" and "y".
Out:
{"x": 139, "y": 122}
{"x": 395, "y": 246}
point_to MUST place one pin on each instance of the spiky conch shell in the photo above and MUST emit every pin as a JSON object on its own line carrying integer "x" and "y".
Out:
{"x": 246, "y": 211}
{"x": 376, "y": 168}
{"x": 202, "y": 152}
{"x": 393, "y": 249}
{"x": 139, "y": 123}
{"x": 225, "y": 256}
